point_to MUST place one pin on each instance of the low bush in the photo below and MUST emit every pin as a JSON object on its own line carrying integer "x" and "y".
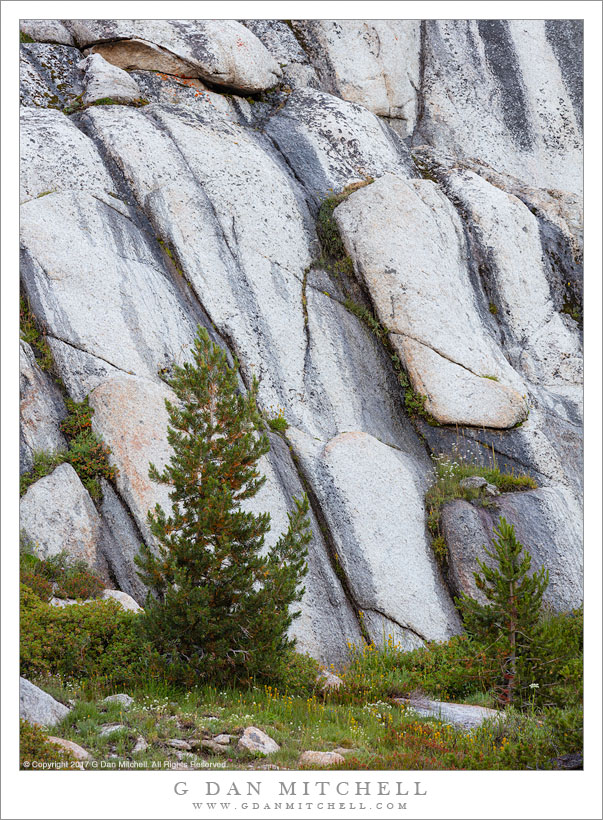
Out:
{"x": 68, "y": 578}
{"x": 94, "y": 640}
{"x": 297, "y": 675}
{"x": 34, "y": 745}
{"x": 455, "y": 670}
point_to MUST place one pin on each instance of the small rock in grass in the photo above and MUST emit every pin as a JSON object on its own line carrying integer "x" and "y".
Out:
{"x": 327, "y": 681}
{"x": 213, "y": 746}
{"x": 124, "y": 700}
{"x": 77, "y": 751}
{"x": 141, "y": 745}
{"x": 254, "y": 740}
{"x": 176, "y": 743}
{"x": 310, "y": 758}
{"x": 223, "y": 740}
{"x": 492, "y": 489}
{"x": 341, "y": 750}
{"x": 473, "y": 482}
{"x": 110, "y": 728}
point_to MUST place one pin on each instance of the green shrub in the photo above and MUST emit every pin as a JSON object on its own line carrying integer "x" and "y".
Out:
{"x": 555, "y": 662}
{"x": 73, "y": 578}
{"x": 278, "y": 423}
{"x": 94, "y": 640}
{"x": 334, "y": 256}
{"x": 80, "y": 584}
{"x": 297, "y": 675}
{"x": 43, "y": 464}
{"x": 34, "y": 745}
{"x": 28, "y": 329}
{"x": 39, "y": 585}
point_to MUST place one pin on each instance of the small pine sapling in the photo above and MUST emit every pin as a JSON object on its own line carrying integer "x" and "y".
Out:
{"x": 514, "y": 603}
{"x": 220, "y": 607}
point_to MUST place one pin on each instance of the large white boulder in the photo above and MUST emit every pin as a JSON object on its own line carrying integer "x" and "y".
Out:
{"x": 103, "y": 80}
{"x": 57, "y": 514}
{"x": 372, "y": 498}
{"x": 398, "y": 232}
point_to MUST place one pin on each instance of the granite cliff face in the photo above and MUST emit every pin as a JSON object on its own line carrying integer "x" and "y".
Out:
{"x": 171, "y": 175}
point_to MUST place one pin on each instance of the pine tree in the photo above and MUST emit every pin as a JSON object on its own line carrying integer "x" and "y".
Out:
{"x": 514, "y": 603}
{"x": 220, "y": 607}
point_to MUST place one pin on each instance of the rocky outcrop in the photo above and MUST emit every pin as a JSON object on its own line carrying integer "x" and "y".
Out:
{"x": 462, "y": 715}
{"x": 105, "y": 81}
{"x": 221, "y": 51}
{"x": 361, "y": 61}
{"x": 140, "y": 222}
{"x": 38, "y": 707}
{"x": 506, "y": 92}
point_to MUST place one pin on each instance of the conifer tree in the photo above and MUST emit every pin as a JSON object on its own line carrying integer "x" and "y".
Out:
{"x": 220, "y": 607}
{"x": 514, "y": 603}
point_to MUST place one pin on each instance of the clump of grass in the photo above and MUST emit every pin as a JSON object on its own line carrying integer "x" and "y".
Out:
{"x": 25, "y": 38}
{"x": 450, "y": 473}
{"x": 493, "y": 309}
{"x": 30, "y": 333}
{"x": 277, "y": 421}
{"x": 334, "y": 256}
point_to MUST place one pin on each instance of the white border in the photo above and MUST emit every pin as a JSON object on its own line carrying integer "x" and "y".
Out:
{"x": 467, "y": 795}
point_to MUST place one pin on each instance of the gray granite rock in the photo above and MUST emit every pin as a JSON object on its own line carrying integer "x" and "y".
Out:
{"x": 376, "y": 63}
{"x": 331, "y": 143}
{"x": 103, "y": 80}
{"x": 49, "y": 76}
{"x": 37, "y": 706}
{"x": 46, "y": 31}
{"x": 499, "y": 91}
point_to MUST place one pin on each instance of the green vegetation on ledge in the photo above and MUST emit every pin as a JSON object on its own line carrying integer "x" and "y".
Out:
{"x": 447, "y": 487}
{"x": 87, "y": 453}
{"x": 334, "y": 257}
